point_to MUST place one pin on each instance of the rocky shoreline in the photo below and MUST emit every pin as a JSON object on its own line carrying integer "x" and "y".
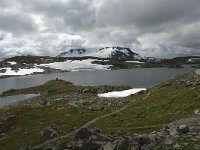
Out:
{"x": 31, "y": 62}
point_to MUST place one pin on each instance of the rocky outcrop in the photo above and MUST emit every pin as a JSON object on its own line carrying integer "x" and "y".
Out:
{"x": 168, "y": 137}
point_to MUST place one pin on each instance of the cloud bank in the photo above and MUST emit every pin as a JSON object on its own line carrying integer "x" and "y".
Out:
{"x": 160, "y": 28}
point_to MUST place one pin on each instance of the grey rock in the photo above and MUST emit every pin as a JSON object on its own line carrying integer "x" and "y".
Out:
{"x": 185, "y": 144}
{"x": 7, "y": 118}
{"x": 176, "y": 146}
{"x": 168, "y": 141}
{"x": 83, "y": 133}
{"x": 143, "y": 140}
{"x": 48, "y": 104}
{"x": 196, "y": 112}
{"x": 99, "y": 137}
{"x": 26, "y": 147}
{"x": 50, "y": 131}
{"x": 3, "y": 70}
{"x": 87, "y": 90}
{"x": 196, "y": 146}
{"x": 90, "y": 145}
{"x": 92, "y": 134}
{"x": 108, "y": 146}
{"x": 123, "y": 144}
{"x": 183, "y": 129}
{"x": 165, "y": 131}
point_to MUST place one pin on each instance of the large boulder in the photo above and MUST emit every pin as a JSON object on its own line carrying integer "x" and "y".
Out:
{"x": 183, "y": 129}
{"x": 93, "y": 134}
{"x": 83, "y": 133}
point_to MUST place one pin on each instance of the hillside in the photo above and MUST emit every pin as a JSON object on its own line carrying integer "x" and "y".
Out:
{"x": 62, "y": 108}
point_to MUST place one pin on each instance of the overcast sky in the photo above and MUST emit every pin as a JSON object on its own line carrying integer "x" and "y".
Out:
{"x": 160, "y": 28}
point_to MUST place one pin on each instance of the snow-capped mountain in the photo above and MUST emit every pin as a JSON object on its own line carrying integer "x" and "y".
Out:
{"x": 75, "y": 53}
{"x": 120, "y": 53}
{"x": 152, "y": 59}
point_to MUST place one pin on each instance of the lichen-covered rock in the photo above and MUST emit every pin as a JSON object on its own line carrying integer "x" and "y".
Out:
{"x": 49, "y": 132}
{"x": 183, "y": 129}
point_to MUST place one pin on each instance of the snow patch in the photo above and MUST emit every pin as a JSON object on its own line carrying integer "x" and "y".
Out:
{"x": 12, "y": 62}
{"x": 10, "y": 72}
{"x": 77, "y": 65}
{"x": 137, "y": 62}
{"x": 124, "y": 93}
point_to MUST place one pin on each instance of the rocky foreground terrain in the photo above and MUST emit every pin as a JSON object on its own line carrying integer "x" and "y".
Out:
{"x": 65, "y": 116}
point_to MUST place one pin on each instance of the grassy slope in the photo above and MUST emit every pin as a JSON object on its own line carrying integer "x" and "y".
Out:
{"x": 31, "y": 118}
{"x": 162, "y": 104}
{"x": 166, "y": 102}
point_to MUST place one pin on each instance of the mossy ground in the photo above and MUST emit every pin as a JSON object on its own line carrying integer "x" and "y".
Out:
{"x": 164, "y": 103}
{"x": 32, "y": 116}
{"x": 146, "y": 112}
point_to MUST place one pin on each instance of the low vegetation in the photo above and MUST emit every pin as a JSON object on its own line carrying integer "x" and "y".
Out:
{"x": 60, "y": 103}
{"x": 63, "y": 107}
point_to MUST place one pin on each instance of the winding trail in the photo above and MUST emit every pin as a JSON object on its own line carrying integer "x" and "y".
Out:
{"x": 88, "y": 124}
{"x": 147, "y": 95}
{"x": 75, "y": 131}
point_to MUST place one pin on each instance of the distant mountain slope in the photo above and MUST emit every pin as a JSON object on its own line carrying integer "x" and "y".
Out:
{"x": 121, "y": 53}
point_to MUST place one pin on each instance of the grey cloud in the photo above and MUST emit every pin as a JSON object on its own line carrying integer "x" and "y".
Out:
{"x": 17, "y": 23}
{"x": 152, "y": 28}
{"x": 76, "y": 14}
{"x": 145, "y": 13}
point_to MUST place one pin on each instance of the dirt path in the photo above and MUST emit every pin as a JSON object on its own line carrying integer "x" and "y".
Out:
{"x": 83, "y": 126}
{"x": 88, "y": 124}
{"x": 146, "y": 96}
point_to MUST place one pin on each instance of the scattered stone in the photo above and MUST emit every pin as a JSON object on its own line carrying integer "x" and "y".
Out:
{"x": 196, "y": 112}
{"x": 166, "y": 130}
{"x": 185, "y": 144}
{"x": 194, "y": 139}
{"x": 87, "y": 133}
{"x": 87, "y": 90}
{"x": 108, "y": 146}
{"x": 90, "y": 145}
{"x": 176, "y": 146}
{"x": 2, "y": 135}
{"x": 49, "y": 132}
{"x": 183, "y": 129}
{"x": 7, "y": 118}
{"x": 196, "y": 146}
{"x": 143, "y": 140}
{"x": 48, "y": 104}
{"x": 168, "y": 141}
{"x": 3, "y": 70}
{"x": 84, "y": 133}
{"x": 122, "y": 144}
{"x": 26, "y": 147}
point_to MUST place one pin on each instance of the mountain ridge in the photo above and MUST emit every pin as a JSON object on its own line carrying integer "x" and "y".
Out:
{"x": 115, "y": 52}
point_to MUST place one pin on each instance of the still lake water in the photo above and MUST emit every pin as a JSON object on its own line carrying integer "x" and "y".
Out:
{"x": 4, "y": 101}
{"x": 135, "y": 78}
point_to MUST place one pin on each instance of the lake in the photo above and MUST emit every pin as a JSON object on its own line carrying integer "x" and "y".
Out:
{"x": 4, "y": 101}
{"x": 135, "y": 78}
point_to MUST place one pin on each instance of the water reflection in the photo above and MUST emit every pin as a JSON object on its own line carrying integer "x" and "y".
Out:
{"x": 4, "y": 101}
{"x": 135, "y": 78}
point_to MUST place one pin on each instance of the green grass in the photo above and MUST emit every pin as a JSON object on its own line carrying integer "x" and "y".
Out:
{"x": 31, "y": 117}
{"x": 30, "y": 121}
{"x": 166, "y": 103}
{"x": 146, "y": 112}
